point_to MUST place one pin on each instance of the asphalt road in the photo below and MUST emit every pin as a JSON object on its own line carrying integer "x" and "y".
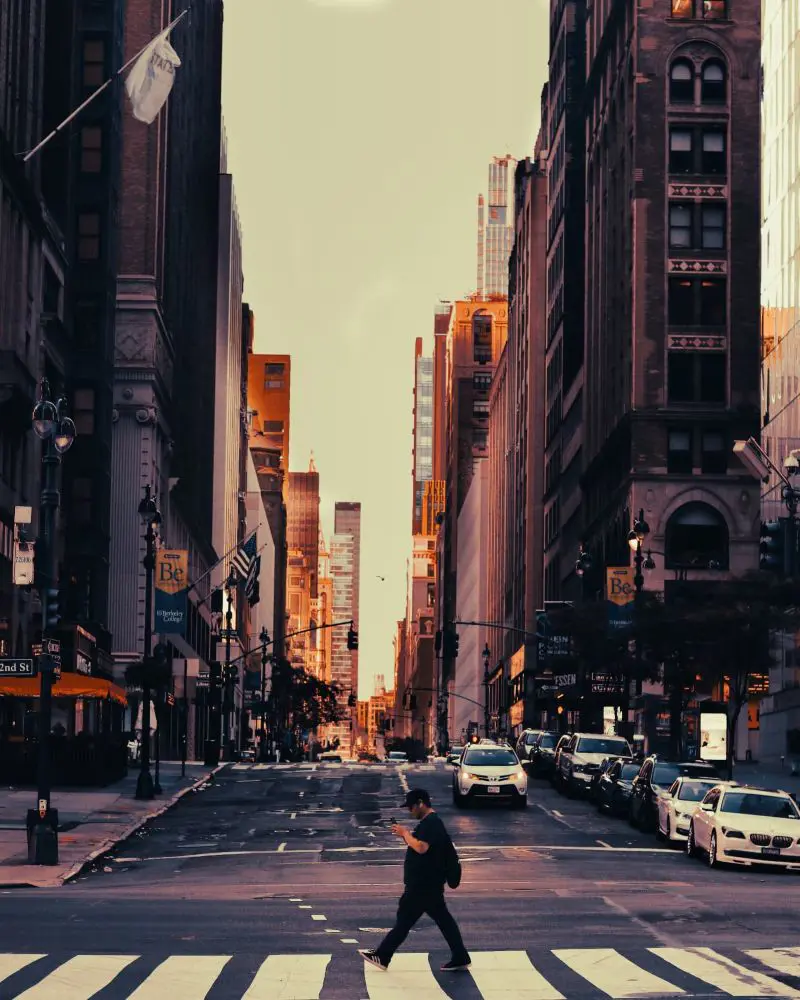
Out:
{"x": 265, "y": 882}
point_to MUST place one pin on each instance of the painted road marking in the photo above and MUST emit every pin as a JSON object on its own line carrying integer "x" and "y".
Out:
{"x": 306, "y": 906}
{"x": 296, "y": 899}
{"x": 785, "y": 960}
{"x": 723, "y": 973}
{"x": 282, "y": 847}
{"x": 410, "y": 975}
{"x": 289, "y": 977}
{"x": 10, "y": 964}
{"x": 182, "y": 977}
{"x": 318, "y": 916}
{"x": 614, "y": 974}
{"x": 79, "y": 978}
{"x": 510, "y": 975}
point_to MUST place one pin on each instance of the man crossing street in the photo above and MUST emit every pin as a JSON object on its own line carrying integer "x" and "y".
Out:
{"x": 424, "y": 876}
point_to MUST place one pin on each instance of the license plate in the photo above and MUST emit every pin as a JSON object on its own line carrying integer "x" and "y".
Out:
{"x": 493, "y": 790}
{"x": 772, "y": 852}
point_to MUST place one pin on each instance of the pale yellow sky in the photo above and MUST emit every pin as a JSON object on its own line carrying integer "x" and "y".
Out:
{"x": 359, "y": 137}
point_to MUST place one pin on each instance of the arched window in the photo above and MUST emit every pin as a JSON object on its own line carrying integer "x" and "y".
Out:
{"x": 696, "y": 537}
{"x": 681, "y": 82}
{"x": 713, "y": 83}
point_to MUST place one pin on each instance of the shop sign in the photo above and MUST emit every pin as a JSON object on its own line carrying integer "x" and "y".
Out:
{"x": 620, "y": 597}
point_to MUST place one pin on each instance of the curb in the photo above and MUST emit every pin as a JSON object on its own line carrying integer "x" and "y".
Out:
{"x": 111, "y": 843}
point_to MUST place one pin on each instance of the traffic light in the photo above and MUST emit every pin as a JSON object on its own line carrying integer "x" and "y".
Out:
{"x": 450, "y": 640}
{"x": 231, "y": 674}
{"x": 53, "y": 616}
{"x": 216, "y": 672}
{"x": 772, "y": 546}
{"x": 352, "y": 638}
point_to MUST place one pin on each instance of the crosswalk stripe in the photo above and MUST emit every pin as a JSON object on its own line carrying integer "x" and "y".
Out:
{"x": 182, "y": 977}
{"x": 724, "y": 973}
{"x": 409, "y": 975}
{"x": 9, "y": 964}
{"x": 79, "y": 978}
{"x": 785, "y": 960}
{"x": 614, "y": 974}
{"x": 289, "y": 977}
{"x": 510, "y": 975}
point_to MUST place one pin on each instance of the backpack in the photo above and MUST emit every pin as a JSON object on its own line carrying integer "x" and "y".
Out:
{"x": 452, "y": 866}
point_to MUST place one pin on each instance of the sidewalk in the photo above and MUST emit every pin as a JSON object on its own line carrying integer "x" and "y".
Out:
{"x": 91, "y": 822}
{"x": 767, "y": 774}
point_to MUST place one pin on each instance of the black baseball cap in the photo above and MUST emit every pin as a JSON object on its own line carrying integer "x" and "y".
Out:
{"x": 416, "y": 795}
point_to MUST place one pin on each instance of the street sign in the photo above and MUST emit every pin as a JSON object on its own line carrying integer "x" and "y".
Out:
{"x": 15, "y": 667}
{"x": 50, "y": 646}
{"x": 24, "y": 556}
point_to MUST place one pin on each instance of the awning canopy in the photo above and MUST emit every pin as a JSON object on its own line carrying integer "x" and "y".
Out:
{"x": 68, "y": 686}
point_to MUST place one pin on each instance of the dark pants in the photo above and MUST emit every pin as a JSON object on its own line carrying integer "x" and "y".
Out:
{"x": 413, "y": 904}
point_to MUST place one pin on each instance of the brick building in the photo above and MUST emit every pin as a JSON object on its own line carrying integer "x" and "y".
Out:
{"x": 672, "y": 282}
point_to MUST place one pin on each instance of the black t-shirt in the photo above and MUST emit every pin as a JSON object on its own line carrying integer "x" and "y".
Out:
{"x": 427, "y": 871}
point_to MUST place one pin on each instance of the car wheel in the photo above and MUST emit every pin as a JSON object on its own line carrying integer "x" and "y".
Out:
{"x": 691, "y": 847}
{"x": 712, "y": 851}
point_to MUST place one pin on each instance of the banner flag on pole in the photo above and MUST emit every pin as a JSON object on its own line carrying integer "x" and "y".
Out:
{"x": 251, "y": 588}
{"x": 150, "y": 81}
{"x": 244, "y": 558}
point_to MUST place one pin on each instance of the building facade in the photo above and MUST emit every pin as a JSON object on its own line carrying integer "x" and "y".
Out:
{"x": 671, "y": 307}
{"x": 495, "y": 229}
{"x": 344, "y": 672}
{"x": 422, "y": 451}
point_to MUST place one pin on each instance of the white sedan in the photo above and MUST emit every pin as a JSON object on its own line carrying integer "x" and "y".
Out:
{"x": 677, "y": 806}
{"x": 740, "y": 825}
{"x": 490, "y": 772}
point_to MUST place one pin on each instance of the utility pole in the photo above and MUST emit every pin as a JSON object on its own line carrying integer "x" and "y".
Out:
{"x": 264, "y": 639}
{"x": 227, "y": 679}
{"x": 486, "y": 657}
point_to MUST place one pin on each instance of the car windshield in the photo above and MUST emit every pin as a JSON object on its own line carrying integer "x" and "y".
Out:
{"x": 599, "y": 744}
{"x": 397, "y": 755}
{"x": 694, "y": 791}
{"x": 629, "y": 771}
{"x": 665, "y": 774}
{"x": 490, "y": 758}
{"x": 530, "y": 739}
{"x": 456, "y": 750}
{"x": 753, "y": 804}
{"x": 548, "y": 740}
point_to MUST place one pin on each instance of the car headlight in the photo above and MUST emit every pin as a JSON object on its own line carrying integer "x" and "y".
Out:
{"x": 520, "y": 774}
{"x": 733, "y": 834}
{"x": 470, "y": 776}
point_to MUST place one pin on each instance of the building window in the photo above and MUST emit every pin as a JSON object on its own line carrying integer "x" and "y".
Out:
{"x": 273, "y": 383}
{"x": 94, "y": 63}
{"x": 681, "y": 82}
{"x": 697, "y": 301}
{"x": 681, "y": 153}
{"x": 679, "y": 452}
{"x": 482, "y": 338}
{"x": 713, "y": 158}
{"x": 715, "y": 10}
{"x": 88, "y": 325}
{"x": 273, "y": 427}
{"x": 81, "y": 500}
{"x": 88, "y": 236}
{"x": 696, "y": 537}
{"x": 714, "y": 453}
{"x": 683, "y": 9}
{"x": 680, "y": 226}
{"x": 696, "y": 377}
{"x": 274, "y": 369}
{"x": 83, "y": 411}
{"x": 712, "y": 89}
{"x": 480, "y": 439}
{"x": 713, "y": 227}
{"x": 481, "y": 381}
{"x": 91, "y": 149}
{"x": 480, "y": 409}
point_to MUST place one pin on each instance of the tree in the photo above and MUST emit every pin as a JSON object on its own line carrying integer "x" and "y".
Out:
{"x": 300, "y": 699}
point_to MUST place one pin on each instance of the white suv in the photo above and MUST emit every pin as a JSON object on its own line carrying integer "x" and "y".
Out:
{"x": 490, "y": 772}
{"x": 581, "y": 758}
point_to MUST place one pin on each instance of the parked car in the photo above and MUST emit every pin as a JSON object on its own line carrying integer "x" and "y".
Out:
{"x": 677, "y": 806}
{"x": 615, "y": 785}
{"x": 582, "y": 756}
{"x": 543, "y": 754}
{"x": 594, "y": 784}
{"x": 526, "y": 743}
{"x": 487, "y": 772}
{"x": 330, "y": 757}
{"x": 654, "y": 778}
{"x": 741, "y": 825}
{"x": 397, "y": 757}
{"x": 562, "y": 743}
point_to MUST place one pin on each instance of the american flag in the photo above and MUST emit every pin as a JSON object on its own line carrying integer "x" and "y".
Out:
{"x": 245, "y": 557}
{"x": 251, "y": 589}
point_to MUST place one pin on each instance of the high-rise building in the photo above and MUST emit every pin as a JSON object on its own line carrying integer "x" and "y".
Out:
{"x": 780, "y": 303}
{"x": 495, "y": 229}
{"x": 302, "y": 509}
{"x": 322, "y": 614}
{"x": 344, "y": 671}
{"x": 564, "y": 141}
{"x": 671, "y": 371}
{"x": 422, "y": 452}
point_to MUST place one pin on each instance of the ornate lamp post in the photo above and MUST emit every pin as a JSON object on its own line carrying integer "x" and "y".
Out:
{"x": 264, "y": 640}
{"x": 151, "y": 516}
{"x": 230, "y": 586}
{"x": 487, "y": 654}
{"x": 636, "y": 537}
{"x": 57, "y": 432}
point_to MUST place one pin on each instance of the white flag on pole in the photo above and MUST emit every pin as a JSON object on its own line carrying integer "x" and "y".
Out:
{"x": 151, "y": 78}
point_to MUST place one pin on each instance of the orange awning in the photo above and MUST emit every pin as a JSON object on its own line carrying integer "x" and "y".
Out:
{"x": 69, "y": 686}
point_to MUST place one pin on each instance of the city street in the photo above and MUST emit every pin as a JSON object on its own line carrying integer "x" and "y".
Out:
{"x": 265, "y": 883}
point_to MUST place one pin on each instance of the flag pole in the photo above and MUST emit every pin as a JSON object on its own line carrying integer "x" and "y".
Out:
{"x": 31, "y": 153}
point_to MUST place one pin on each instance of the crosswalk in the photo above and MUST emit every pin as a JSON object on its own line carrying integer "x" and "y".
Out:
{"x": 348, "y": 765}
{"x": 558, "y": 974}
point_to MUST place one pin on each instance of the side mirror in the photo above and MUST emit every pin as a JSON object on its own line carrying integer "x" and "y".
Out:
{"x": 707, "y": 807}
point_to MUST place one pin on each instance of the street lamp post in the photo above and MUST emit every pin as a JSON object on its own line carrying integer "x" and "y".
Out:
{"x": 151, "y": 516}
{"x": 487, "y": 653}
{"x": 636, "y": 537}
{"x": 264, "y": 640}
{"x": 57, "y": 431}
{"x": 230, "y": 583}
